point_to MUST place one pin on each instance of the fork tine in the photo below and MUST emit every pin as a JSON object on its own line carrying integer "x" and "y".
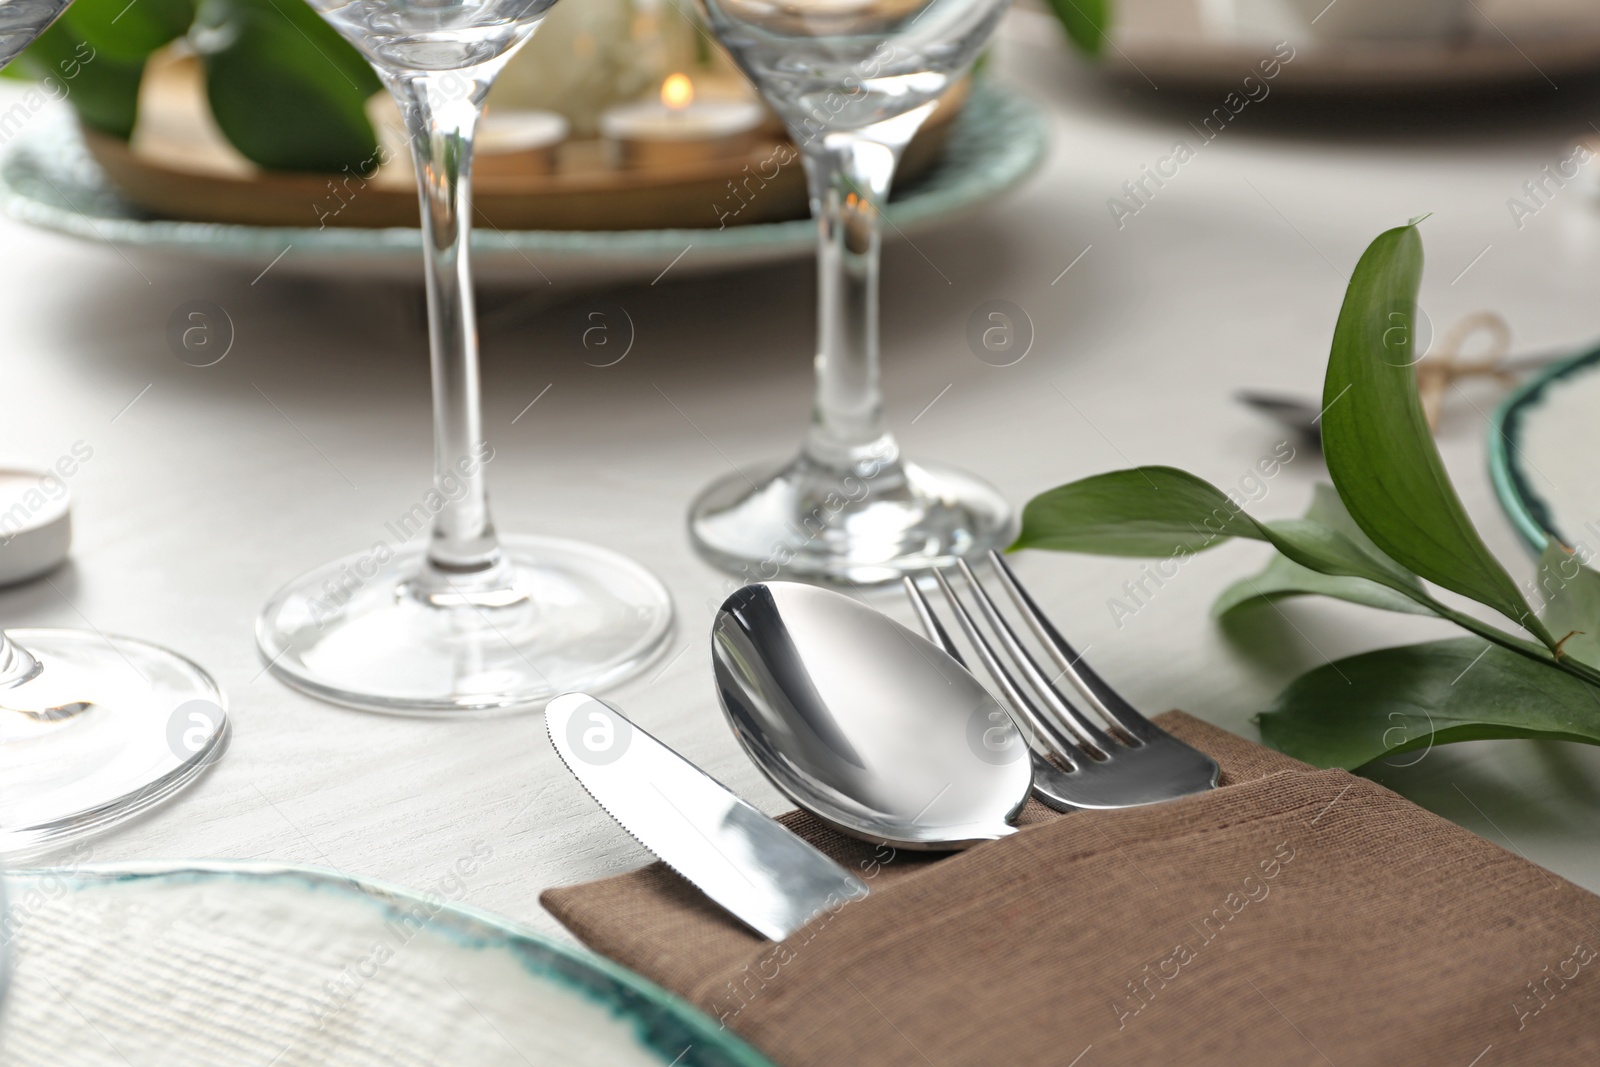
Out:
{"x": 930, "y": 622}
{"x": 1040, "y": 735}
{"x": 1083, "y": 677}
{"x": 1086, "y": 730}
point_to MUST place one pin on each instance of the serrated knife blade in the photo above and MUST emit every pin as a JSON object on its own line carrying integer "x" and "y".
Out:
{"x": 757, "y": 870}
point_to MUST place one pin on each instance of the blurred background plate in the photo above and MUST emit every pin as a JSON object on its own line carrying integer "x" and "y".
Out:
{"x": 254, "y": 963}
{"x": 1211, "y": 45}
{"x": 48, "y": 180}
{"x": 1544, "y": 454}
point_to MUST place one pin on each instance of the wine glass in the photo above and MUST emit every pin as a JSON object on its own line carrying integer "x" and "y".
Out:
{"x": 852, "y": 80}
{"x": 94, "y": 729}
{"x": 470, "y": 622}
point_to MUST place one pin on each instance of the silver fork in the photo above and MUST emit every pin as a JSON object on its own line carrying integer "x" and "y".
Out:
{"x": 1121, "y": 761}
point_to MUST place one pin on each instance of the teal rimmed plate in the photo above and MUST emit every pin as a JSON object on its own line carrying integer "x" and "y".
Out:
{"x": 255, "y": 963}
{"x": 48, "y": 180}
{"x": 1544, "y": 454}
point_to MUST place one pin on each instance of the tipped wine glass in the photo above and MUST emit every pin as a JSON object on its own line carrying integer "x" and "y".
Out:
{"x": 852, "y": 80}
{"x": 472, "y": 621}
{"x": 93, "y": 729}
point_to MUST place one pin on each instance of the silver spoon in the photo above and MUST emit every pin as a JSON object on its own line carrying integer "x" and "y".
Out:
{"x": 870, "y": 727}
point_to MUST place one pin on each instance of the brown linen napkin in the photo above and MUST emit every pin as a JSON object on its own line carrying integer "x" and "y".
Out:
{"x": 1293, "y": 917}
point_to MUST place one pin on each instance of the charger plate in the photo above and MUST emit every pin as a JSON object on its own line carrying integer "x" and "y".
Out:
{"x": 252, "y": 963}
{"x": 1210, "y": 46}
{"x": 48, "y": 180}
{"x": 1544, "y": 454}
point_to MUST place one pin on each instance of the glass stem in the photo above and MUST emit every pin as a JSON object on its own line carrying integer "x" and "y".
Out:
{"x": 441, "y": 111}
{"x": 17, "y": 664}
{"x": 849, "y": 174}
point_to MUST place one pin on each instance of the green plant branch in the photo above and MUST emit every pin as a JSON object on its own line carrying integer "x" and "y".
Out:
{"x": 1391, "y": 521}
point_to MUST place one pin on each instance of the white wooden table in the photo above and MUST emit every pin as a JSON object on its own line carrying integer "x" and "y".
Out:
{"x": 210, "y": 487}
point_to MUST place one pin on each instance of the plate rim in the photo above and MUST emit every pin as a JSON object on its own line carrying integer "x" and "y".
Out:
{"x": 512, "y": 933}
{"x": 1529, "y": 512}
{"x": 1566, "y": 45}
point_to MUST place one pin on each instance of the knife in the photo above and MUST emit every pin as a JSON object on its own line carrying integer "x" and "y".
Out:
{"x": 757, "y": 870}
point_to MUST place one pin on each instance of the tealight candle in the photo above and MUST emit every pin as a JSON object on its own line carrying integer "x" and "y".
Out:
{"x": 518, "y": 142}
{"x": 35, "y": 521}
{"x": 677, "y": 129}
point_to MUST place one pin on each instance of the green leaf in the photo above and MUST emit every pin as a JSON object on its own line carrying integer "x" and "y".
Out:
{"x": 1329, "y": 552}
{"x": 1285, "y": 578}
{"x": 1400, "y": 699}
{"x": 1163, "y": 511}
{"x": 285, "y": 88}
{"x": 1571, "y": 593}
{"x": 1143, "y": 512}
{"x": 1377, "y": 444}
{"x": 1326, "y": 550}
{"x": 128, "y": 31}
{"x": 1166, "y": 512}
{"x": 1328, "y": 508}
{"x": 102, "y": 90}
{"x": 1085, "y": 21}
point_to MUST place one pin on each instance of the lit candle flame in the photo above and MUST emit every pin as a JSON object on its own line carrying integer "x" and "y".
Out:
{"x": 677, "y": 92}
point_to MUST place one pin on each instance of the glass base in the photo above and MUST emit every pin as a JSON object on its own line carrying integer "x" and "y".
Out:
{"x": 805, "y": 521}
{"x": 364, "y": 633}
{"x": 106, "y": 728}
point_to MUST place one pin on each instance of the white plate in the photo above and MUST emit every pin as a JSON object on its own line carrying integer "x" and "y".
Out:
{"x": 234, "y": 964}
{"x": 1544, "y": 455}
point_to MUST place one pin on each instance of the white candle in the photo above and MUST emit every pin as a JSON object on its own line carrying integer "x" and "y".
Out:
{"x": 518, "y": 141}
{"x": 35, "y": 521}
{"x": 677, "y": 128}
{"x": 519, "y": 131}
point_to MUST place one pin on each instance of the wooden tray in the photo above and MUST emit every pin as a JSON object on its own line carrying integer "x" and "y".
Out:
{"x": 49, "y": 181}
{"x": 179, "y": 167}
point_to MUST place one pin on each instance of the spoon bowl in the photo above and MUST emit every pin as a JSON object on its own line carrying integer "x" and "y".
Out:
{"x": 864, "y": 723}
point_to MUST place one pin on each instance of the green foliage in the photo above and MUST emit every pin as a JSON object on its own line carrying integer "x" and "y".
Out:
{"x": 1572, "y": 603}
{"x": 1148, "y": 511}
{"x": 1394, "y": 700}
{"x": 314, "y": 117}
{"x": 1390, "y": 521}
{"x": 104, "y": 91}
{"x": 284, "y": 87}
{"x": 1086, "y": 22}
{"x": 1379, "y": 449}
{"x": 128, "y": 32}
{"x": 1283, "y": 577}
